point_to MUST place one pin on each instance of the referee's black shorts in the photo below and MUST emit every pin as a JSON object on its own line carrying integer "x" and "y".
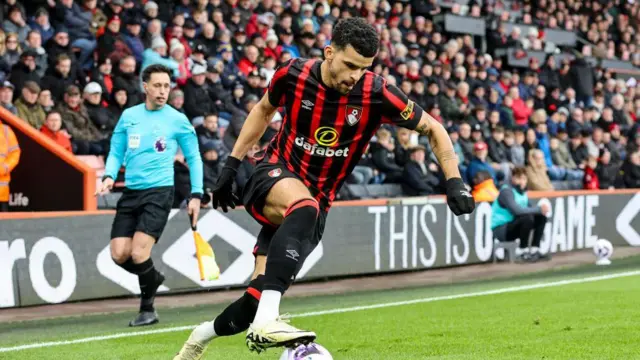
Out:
{"x": 145, "y": 210}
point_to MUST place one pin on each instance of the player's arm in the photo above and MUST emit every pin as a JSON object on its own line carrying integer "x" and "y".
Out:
{"x": 254, "y": 126}
{"x": 404, "y": 112}
{"x": 440, "y": 145}
{"x": 117, "y": 150}
{"x": 188, "y": 142}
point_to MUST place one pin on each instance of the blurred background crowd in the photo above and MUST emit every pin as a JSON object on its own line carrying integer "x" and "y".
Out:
{"x": 70, "y": 67}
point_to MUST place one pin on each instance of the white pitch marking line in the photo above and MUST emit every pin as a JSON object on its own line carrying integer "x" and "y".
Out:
{"x": 338, "y": 311}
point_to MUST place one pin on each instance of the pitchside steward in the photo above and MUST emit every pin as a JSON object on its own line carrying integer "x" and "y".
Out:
{"x": 146, "y": 140}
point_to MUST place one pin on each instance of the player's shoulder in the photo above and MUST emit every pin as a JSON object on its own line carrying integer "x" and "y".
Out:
{"x": 379, "y": 83}
{"x": 297, "y": 64}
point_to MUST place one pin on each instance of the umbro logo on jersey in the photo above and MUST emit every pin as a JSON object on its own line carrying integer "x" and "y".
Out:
{"x": 306, "y": 104}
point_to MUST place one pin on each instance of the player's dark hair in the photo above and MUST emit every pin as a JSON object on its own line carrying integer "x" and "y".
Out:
{"x": 154, "y": 69}
{"x": 357, "y": 33}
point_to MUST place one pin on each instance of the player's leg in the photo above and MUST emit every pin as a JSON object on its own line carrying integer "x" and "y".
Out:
{"x": 290, "y": 205}
{"x": 238, "y": 315}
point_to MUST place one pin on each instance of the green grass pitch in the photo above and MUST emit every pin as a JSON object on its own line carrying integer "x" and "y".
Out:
{"x": 590, "y": 320}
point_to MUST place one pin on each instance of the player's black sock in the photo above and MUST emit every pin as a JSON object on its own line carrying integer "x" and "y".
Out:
{"x": 290, "y": 245}
{"x": 128, "y": 265}
{"x": 147, "y": 278}
{"x": 237, "y": 317}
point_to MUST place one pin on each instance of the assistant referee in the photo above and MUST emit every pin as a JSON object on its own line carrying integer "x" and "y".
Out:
{"x": 146, "y": 140}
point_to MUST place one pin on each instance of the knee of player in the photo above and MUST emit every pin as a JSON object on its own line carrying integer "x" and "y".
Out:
{"x": 120, "y": 254}
{"x": 306, "y": 208}
{"x": 140, "y": 254}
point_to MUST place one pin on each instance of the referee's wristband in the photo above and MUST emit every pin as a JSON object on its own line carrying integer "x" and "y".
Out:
{"x": 196, "y": 196}
{"x": 106, "y": 177}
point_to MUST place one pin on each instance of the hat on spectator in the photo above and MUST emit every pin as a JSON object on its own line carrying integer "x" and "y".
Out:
{"x": 476, "y": 127}
{"x": 575, "y": 134}
{"x": 134, "y": 20}
{"x": 200, "y": 49}
{"x": 632, "y": 82}
{"x": 307, "y": 35}
{"x": 315, "y": 52}
{"x": 29, "y": 53}
{"x": 251, "y": 98}
{"x": 224, "y": 48}
{"x": 505, "y": 75}
{"x": 113, "y": 18}
{"x": 150, "y": 5}
{"x": 417, "y": 148}
{"x": 479, "y": 146}
{"x": 32, "y": 86}
{"x": 613, "y": 127}
{"x": 414, "y": 46}
{"x": 307, "y": 22}
{"x": 41, "y": 11}
{"x": 451, "y": 85}
{"x": 198, "y": 70}
{"x": 6, "y": 84}
{"x": 190, "y": 24}
{"x": 93, "y": 88}
{"x": 272, "y": 37}
{"x": 492, "y": 72}
{"x": 117, "y": 2}
{"x": 158, "y": 42}
{"x": 263, "y": 19}
{"x": 452, "y": 129}
{"x": 563, "y": 111}
{"x": 62, "y": 30}
{"x": 240, "y": 31}
{"x": 239, "y": 86}
{"x": 211, "y": 68}
{"x": 176, "y": 45}
{"x": 72, "y": 90}
{"x": 307, "y": 7}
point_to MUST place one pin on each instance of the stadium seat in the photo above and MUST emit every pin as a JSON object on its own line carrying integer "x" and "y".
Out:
{"x": 505, "y": 249}
{"x": 357, "y": 192}
{"x": 567, "y": 185}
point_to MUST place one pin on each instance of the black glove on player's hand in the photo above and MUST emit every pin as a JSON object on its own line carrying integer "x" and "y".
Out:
{"x": 458, "y": 197}
{"x": 222, "y": 193}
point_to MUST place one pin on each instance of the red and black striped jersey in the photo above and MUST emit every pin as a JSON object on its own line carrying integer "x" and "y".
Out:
{"x": 324, "y": 133}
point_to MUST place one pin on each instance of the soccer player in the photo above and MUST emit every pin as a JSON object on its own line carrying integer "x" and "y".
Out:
{"x": 146, "y": 139}
{"x": 333, "y": 108}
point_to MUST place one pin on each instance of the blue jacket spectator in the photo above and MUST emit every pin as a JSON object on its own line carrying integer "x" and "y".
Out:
{"x": 479, "y": 163}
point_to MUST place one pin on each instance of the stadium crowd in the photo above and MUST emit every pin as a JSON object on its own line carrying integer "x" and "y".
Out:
{"x": 70, "y": 67}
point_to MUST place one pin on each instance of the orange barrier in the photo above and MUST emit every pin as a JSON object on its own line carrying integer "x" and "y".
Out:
{"x": 366, "y": 202}
{"x": 89, "y": 177}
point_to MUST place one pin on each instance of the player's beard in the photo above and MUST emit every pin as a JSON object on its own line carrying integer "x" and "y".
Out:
{"x": 335, "y": 80}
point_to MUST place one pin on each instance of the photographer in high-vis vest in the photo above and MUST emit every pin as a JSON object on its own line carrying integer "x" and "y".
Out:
{"x": 515, "y": 217}
{"x": 9, "y": 158}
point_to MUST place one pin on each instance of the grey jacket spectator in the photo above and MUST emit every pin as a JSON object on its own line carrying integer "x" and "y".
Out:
{"x": 561, "y": 156}
{"x": 15, "y": 23}
{"x": 77, "y": 21}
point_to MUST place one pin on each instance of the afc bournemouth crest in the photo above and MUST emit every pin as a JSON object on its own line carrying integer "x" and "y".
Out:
{"x": 275, "y": 173}
{"x": 160, "y": 144}
{"x": 353, "y": 114}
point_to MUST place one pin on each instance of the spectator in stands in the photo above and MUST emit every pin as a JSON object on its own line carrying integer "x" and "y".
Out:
{"x": 451, "y": 107}
{"x": 516, "y": 151}
{"x": 480, "y": 163}
{"x": 98, "y": 18}
{"x": 40, "y": 23}
{"x": 11, "y": 149}
{"x": 28, "y": 107}
{"x": 208, "y": 132}
{"x": 86, "y": 139}
{"x": 176, "y": 99}
{"x": 583, "y": 78}
{"x": 537, "y": 171}
{"x": 126, "y": 79}
{"x": 629, "y": 175}
{"x": 506, "y": 112}
{"x": 99, "y": 115}
{"x": 383, "y": 157}
{"x": 132, "y": 37}
{"x": 402, "y": 150}
{"x": 13, "y": 50}
{"x": 15, "y": 23}
{"x": 34, "y": 42}
{"x": 521, "y": 109}
{"x": 112, "y": 42}
{"x": 591, "y": 181}
{"x": 79, "y": 24}
{"x": 52, "y": 129}
{"x": 197, "y": 100}
{"x": 499, "y": 153}
{"x": 117, "y": 104}
{"x": 46, "y": 101}
{"x": 211, "y": 163}
{"x": 156, "y": 53}
{"x": 606, "y": 171}
{"x": 60, "y": 77}
{"x": 514, "y": 217}
{"x": 418, "y": 175}
{"x": 6, "y": 97}
{"x": 24, "y": 70}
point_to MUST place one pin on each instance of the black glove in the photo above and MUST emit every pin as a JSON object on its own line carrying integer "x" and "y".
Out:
{"x": 222, "y": 193}
{"x": 458, "y": 197}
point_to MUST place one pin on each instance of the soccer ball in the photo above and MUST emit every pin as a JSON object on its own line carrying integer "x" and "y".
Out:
{"x": 312, "y": 351}
{"x": 603, "y": 249}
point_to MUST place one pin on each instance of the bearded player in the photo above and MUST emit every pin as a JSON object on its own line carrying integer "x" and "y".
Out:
{"x": 333, "y": 108}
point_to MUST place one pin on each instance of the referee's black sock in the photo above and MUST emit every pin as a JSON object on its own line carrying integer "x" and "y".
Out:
{"x": 237, "y": 317}
{"x": 128, "y": 265}
{"x": 148, "y": 280}
{"x": 289, "y": 245}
